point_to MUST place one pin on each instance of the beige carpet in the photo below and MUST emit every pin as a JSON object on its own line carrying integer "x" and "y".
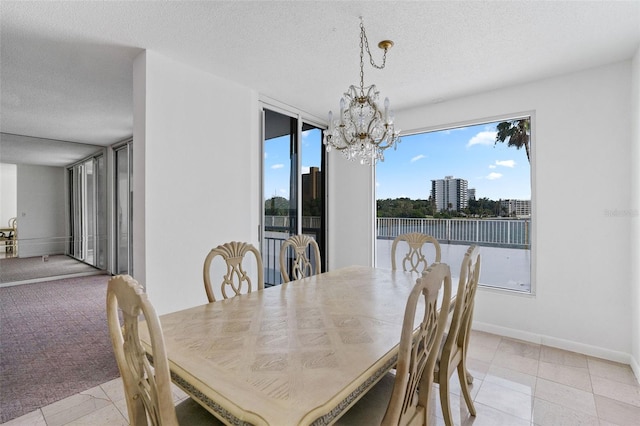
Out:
{"x": 33, "y": 269}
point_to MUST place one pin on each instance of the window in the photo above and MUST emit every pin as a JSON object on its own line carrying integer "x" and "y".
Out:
{"x": 464, "y": 186}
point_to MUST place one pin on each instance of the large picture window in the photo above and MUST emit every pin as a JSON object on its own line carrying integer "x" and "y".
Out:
{"x": 464, "y": 185}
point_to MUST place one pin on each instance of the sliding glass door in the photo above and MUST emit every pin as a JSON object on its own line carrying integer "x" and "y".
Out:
{"x": 88, "y": 208}
{"x": 123, "y": 159}
{"x": 293, "y": 186}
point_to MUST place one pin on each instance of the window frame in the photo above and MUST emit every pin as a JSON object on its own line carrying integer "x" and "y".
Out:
{"x": 531, "y": 114}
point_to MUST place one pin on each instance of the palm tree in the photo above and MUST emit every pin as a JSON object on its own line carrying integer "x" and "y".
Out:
{"x": 516, "y": 132}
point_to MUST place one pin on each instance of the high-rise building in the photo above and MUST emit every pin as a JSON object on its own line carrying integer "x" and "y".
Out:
{"x": 518, "y": 208}
{"x": 450, "y": 193}
{"x": 312, "y": 184}
{"x": 472, "y": 194}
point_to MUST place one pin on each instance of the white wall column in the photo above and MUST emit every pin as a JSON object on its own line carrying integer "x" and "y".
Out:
{"x": 635, "y": 215}
{"x": 196, "y": 174}
{"x": 351, "y": 219}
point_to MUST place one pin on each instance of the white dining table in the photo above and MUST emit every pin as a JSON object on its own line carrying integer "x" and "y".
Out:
{"x": 300, "y": 353}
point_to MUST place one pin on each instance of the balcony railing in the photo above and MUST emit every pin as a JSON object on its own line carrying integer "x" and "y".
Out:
{"x": 276, "y": 223}
{"x": 496, "y": 233}
{"x": 512, "y": 233}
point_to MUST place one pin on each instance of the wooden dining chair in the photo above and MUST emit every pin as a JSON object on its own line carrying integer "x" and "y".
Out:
{"x": 453, "y": 355}
{"x": 236, "y": 277}
{"x": 414, "y": 257}
{"x": 147, "y": 387}
{"x": 302, "y": 264}
{"x": 406, "y": 393}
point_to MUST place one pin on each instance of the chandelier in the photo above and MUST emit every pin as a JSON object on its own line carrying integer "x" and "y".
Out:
{"x": 363, "y": 130}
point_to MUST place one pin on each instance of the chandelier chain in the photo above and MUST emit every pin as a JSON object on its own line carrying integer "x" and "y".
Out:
{"x": 363, "y": 36}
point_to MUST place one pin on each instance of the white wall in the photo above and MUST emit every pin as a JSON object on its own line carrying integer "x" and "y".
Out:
{"x": 635, "y": 217}
{"x": 199, "y": 138}
{"x": 581, "y": 168}
{"x": 351, "y": 212}
{"x": 8, "y": 194}
{"x": 41, "y": 204}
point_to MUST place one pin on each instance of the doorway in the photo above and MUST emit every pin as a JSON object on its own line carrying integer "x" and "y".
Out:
{"x": 293, "y": 186}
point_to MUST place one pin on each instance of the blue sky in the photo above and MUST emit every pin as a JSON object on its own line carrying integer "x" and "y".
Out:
{"x": 468, "y": 152}
{"x": 495, "y": 171}
{"x": 276, "y": 161}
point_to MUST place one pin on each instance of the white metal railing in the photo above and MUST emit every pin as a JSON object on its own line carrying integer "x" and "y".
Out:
{"x": 491, "y": 232}
{"x": 495, "y": 232}
{"x": 277, "y": 222}
{"x": 502, "y": 238}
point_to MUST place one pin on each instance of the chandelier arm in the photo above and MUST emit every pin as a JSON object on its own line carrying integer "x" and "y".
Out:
{"x": 384, "y": 139}
{"x": 377, "y": 116}
{"x": 344, "y": 138}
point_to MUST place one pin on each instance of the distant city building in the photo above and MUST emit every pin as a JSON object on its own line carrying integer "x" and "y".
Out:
{"x": 472, "y": 194}
{"x": 518, "y": 208}
{"x": 312, "y": 184}
{"x": 450, "y": 193}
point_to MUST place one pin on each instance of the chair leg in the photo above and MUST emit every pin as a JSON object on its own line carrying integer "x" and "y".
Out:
{"x": 462, "y": 376}
{"x": 469, "y": 378}
{"x": 443, "y": 381}
{"x": 465, "y": 348}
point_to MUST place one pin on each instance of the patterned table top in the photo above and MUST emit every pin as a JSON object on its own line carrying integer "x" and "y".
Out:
{"x": 294, "y": 354}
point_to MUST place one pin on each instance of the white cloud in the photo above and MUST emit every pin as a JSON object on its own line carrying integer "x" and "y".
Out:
{"x": 377, "y": 184}
{"x": 494, "y": 176}
{"x": 492, "y": 166}
{"x": 506, "y": 163}
{"x": 482, "y": 138}
{"x": 305, "y": 170}
{"x": 305, "y": 137}
{"x": 277, "y": 166}
{"x": 418, "y": 157}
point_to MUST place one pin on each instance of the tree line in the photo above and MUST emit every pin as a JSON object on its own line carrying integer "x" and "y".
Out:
{"x": 398, "y": 207}
{"x": 279, "y": 206}
{"x": 406, "y": 207}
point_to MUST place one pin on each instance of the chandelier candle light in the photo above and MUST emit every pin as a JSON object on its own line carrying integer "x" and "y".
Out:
{"x": 363, "y": 131}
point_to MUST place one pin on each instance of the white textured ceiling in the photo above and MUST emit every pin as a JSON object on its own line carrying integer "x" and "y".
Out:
{"x": 66, "y": 67}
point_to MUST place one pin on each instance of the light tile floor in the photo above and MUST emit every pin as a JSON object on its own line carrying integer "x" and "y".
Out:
{"x": 515, "y": 383}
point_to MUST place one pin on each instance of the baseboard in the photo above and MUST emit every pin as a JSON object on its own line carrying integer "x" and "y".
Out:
{"x": 54, "y": 278}
{"x": 636, "y": 368}
{"x": 567, "y": 345}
